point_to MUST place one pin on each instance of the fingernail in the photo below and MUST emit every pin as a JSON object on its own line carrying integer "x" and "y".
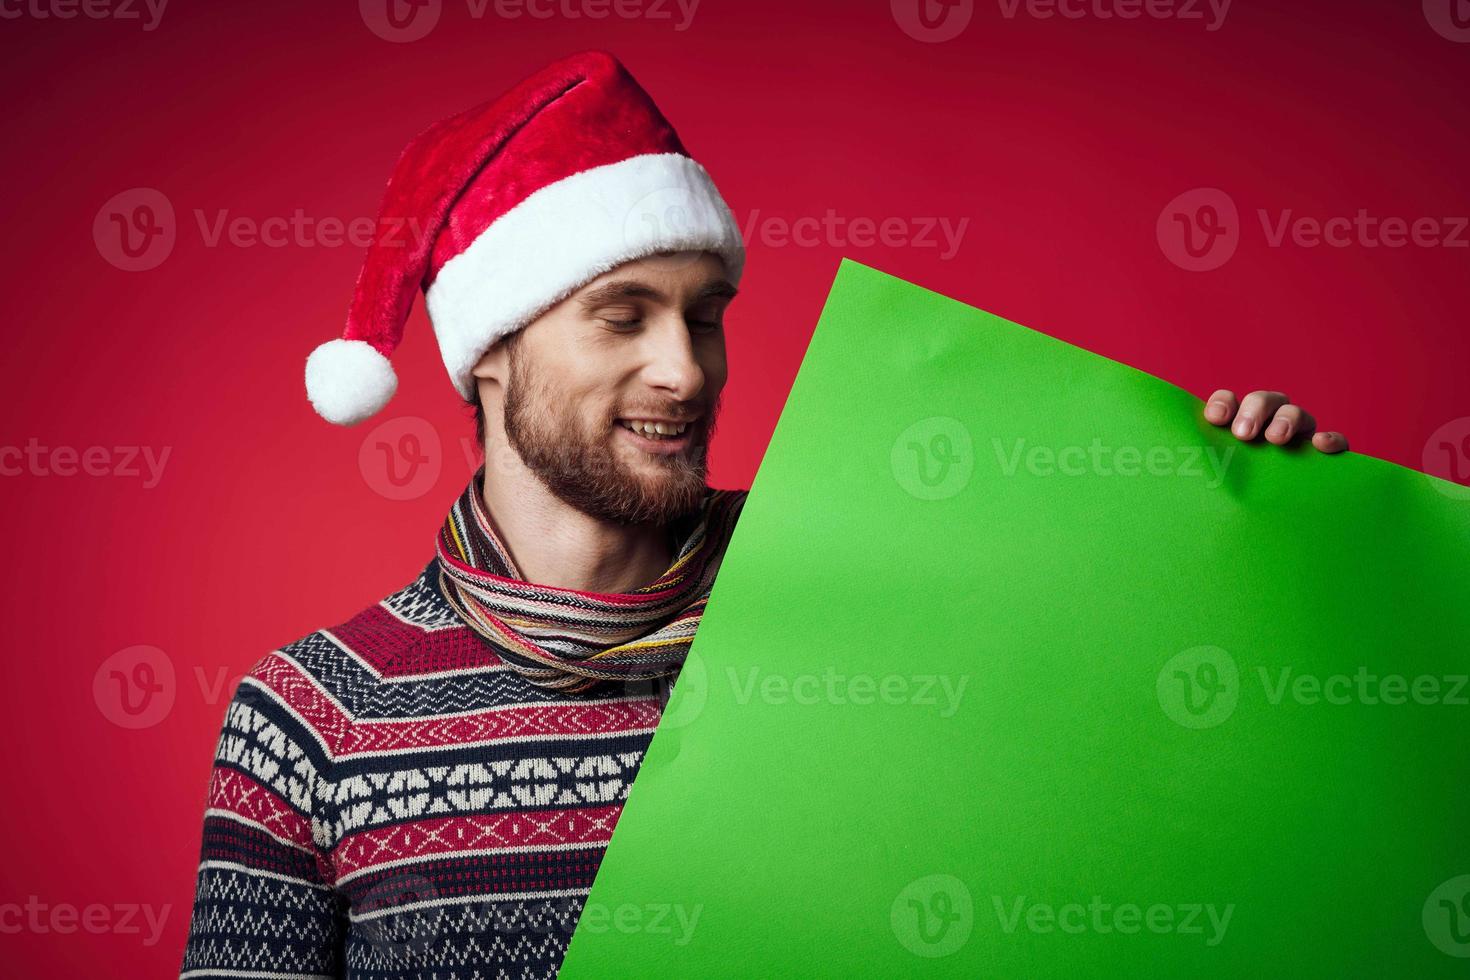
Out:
{"x": 1277, "y": 430}
{"x": 1215, "y": 412}
{"x": 1244, "y": 426}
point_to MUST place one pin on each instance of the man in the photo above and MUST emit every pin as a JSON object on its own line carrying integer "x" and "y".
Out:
{"x": 427, "y": 789}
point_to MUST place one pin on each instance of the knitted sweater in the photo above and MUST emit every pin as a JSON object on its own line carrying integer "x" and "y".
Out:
{"x": 389, "y": 800}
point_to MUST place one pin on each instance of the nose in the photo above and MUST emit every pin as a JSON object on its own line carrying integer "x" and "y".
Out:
{"x": 671, "y": 364}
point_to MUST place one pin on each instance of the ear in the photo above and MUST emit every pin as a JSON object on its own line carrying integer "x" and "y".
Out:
{"x": 494, "y": 364}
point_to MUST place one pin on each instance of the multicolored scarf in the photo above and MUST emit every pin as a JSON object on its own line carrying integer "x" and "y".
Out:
{"x": 568, "y": 640}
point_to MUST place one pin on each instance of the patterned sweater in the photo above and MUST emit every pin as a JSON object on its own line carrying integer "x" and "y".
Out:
{"x": 389, "y": 800}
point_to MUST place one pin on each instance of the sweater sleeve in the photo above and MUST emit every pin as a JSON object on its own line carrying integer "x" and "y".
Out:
{"x": 264, "y": 903}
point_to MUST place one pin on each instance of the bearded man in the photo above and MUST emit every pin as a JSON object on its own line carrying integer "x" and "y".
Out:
{"x": 427, "y": 789}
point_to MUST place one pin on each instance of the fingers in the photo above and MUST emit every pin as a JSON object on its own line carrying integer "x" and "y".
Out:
{"x": 1221, "y": 406}
{"x": 1270, "y": 412}
{"x": 1291, "y": 422}
{"x": 1256, "y": 412}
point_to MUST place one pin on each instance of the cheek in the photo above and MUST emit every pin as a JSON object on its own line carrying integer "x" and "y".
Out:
{"x": 712, "y": 359}
{"x": 579, "y": 393}
{"x": 716, "y": 373}
{"x": 594, "y": 404}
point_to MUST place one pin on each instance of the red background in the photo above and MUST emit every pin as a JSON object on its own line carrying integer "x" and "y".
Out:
{"x": 1061, "y": 140}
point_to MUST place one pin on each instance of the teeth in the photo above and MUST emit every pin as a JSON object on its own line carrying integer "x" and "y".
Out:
{"x": 654, "y": 429}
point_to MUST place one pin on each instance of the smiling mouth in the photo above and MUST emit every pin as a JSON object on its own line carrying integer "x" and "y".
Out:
{"x": 659, "y": 438}
{"x": 655, "y": 430}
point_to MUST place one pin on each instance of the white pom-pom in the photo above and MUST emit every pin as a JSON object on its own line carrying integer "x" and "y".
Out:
{"x": 348, "y": 381}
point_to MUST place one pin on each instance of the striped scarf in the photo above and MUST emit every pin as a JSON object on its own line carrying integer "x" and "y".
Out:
{"x": 570, "y": 641}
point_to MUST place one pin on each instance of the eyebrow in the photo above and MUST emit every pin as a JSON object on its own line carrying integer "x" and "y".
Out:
{"x": 624, "y": 289}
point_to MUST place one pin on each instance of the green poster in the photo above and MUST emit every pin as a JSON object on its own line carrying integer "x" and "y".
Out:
{"x": 1016, "y": 667}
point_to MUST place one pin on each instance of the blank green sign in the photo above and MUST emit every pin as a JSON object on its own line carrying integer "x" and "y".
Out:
{"x": 1018, "y": 668}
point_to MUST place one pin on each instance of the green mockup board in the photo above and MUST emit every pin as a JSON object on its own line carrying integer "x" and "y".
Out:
{"x": 1016, "y": 667}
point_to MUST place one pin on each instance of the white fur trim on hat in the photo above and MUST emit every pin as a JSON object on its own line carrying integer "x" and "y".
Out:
{"x": 567, "y": 234}
{"x": 348, "y": 380}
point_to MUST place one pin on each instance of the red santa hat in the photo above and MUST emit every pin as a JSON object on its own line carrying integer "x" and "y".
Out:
{"x": 506, "y": 209}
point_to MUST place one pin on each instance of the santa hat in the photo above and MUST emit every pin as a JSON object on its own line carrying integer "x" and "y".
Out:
{"x": 504, "y": 210}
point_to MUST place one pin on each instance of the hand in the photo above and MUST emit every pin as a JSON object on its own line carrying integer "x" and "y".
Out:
{"x": 1270, "y": 412}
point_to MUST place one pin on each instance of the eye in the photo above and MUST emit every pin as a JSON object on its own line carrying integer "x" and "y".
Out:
{"x": 705, "y": 318}
{"x": 621, "y": 324}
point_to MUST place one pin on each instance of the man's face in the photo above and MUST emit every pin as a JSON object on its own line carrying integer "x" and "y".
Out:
{"x": 642, "y": 343}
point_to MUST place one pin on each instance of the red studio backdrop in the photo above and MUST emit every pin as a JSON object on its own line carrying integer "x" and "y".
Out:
{"x": 1247, "y": 194}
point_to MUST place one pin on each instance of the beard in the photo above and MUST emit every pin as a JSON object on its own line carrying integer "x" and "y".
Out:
{"x": 579, "y": 462}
